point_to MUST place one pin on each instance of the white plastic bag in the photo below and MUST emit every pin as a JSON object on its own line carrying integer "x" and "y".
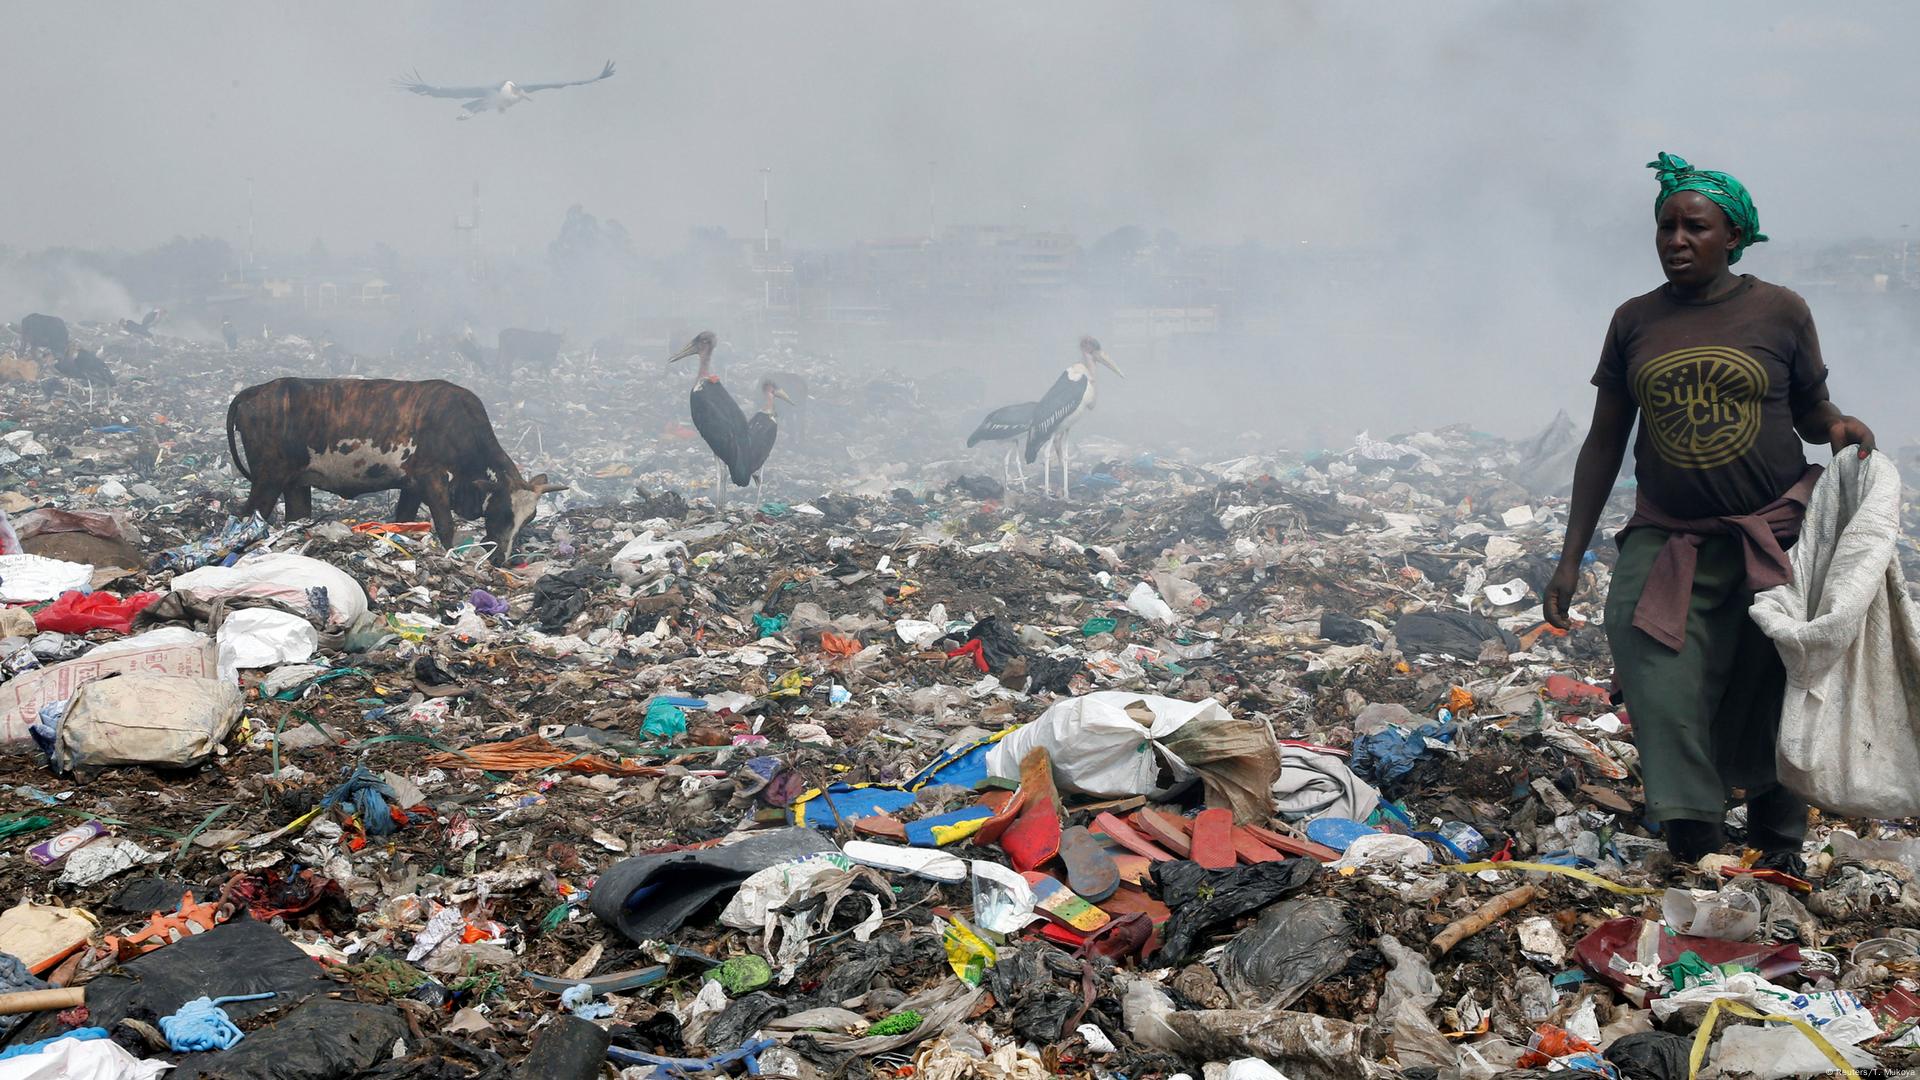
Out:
{"x": 644, "y": 556}
{"x": 262, "y": 638}
{"x": 1098, "y": 749}
{"x": 280, "y": 576}
{"x": 1145, "y": 602}
{"x": 144, "y": 719}
{"x": 29, "y": 579}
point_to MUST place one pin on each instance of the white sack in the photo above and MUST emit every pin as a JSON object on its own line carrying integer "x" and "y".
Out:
{"x": 1846, "y": 630}
{"x": 279, "y": 576}
{"x": 1097, "y": 749}
{"x": 173, "y": 650}
{"x": 75, "y": 1059}
{"x": 145, "y": 719}
{"x": 29, "y": 579}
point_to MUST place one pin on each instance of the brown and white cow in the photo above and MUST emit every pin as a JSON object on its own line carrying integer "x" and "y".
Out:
{"x": 429, "y": 440}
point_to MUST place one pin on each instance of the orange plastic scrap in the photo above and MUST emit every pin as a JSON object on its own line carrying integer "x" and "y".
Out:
{"x": 1459, "y": 701}
{"x": 165, "y": 929}
{"x": 394, "y": 527}
{"x": 839, "y": 644}
{"x": 534, "y": 752}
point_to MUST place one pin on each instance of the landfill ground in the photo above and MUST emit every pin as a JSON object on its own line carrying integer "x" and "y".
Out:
{"x": 418, "y": 899}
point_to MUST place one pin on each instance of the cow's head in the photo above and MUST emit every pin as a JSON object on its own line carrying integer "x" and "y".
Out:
{"x": 509, "y": 507}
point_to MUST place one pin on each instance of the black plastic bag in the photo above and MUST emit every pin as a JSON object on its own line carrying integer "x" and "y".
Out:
{"x": 1290, "y": 948}
{"x": 323, "y": 1039}
{"x": 567, "y": 1049}
{"x": 1651, "y": 1055}
{"x": 1202, "y": 898}
{"x": 1448, "y": 633}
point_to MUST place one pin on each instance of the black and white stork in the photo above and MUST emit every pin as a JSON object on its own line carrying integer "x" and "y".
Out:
{"x": 762, "y": 429}
{"x": 1006, "y": 424}
{"x": 716, "y": 416}
{"x": 1070, "y": 398}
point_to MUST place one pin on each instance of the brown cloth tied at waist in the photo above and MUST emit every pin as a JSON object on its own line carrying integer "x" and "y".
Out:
{"x": 1662, "y": 609}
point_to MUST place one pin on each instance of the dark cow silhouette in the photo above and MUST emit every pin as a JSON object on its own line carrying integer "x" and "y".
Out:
{"x": 535, "y": 348}
{"x": 430, "y": 440}
{"x": 47, "y": 332}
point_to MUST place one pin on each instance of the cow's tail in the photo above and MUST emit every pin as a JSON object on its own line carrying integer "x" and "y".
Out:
{"x": 233, "y": 412}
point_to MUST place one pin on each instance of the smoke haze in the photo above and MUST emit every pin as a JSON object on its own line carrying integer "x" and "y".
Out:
{"x": 1447, "y": 200}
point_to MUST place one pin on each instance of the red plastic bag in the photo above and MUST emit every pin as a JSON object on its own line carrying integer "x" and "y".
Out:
{"x": 1620, "y": 951}
{"x": 78, "y": 612}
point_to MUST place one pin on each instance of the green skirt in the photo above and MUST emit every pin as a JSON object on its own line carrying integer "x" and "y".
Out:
{"x": 1705, "y": 719}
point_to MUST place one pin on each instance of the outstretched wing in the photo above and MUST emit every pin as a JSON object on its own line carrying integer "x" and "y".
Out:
{"x": 1061, "y": 400}
{"x": 605, "y": 73}
{"x": 414, "y": 85}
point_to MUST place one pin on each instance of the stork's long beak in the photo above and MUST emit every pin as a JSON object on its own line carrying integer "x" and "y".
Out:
{"x": 782, "y": 395}
{"x": 1102, "y": 357}
{"x": 690, "y": 349}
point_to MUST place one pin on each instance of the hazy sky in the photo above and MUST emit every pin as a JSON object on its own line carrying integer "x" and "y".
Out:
{"x": 1381, "y": 123}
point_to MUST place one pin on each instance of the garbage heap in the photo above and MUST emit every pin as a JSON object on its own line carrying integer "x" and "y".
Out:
{"x": 1249, "y": 768}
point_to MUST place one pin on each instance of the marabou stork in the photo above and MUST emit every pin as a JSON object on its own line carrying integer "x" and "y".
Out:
{"x": 762, "y": 429}
{"x": 499, "y": 97}
{"x": 1006, "y": 424}
{"x": 1070, "y": 399}
{"x": 716, "y": 416}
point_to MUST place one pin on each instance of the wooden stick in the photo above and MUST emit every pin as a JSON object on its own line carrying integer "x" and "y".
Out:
{"x": 1459, "y": 931}
{"x": 26, "y": 1001}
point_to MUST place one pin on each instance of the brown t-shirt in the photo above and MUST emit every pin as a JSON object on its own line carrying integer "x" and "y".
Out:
{"x": 1718, "y": 385}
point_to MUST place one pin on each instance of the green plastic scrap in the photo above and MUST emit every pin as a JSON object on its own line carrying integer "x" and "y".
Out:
{"x": 743, "y": 975}
{"x": 14, "y": 826}
{"x": 665, "y": 719}
{"x": 769, "y": 625}
{"x": 898, "y": 1024}
{"x": 1098, "y": 625}
{"x": 1690, "y": 969}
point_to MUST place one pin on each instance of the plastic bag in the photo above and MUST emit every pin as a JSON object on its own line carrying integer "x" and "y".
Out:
{"x": 1145, "y": 602}
{"x": 1289, "y": 949}
{"x": 263, "y": 638}
{"x": 78, "y": 612}
{"x": 172, "y": 650}
{"x": 30, "y": 578}
{"x": 1098, "y": 746}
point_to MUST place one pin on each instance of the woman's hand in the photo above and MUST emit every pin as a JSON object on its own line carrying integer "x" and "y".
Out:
{"x": 1560, "y": 590}
{"x": 1850, "y": 431}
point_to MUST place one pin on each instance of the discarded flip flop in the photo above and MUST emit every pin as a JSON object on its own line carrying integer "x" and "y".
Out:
{"x": 1250, "y": 849}
{"x": 1090, "y": 870}
{"x": 946, "y": 828}
{"x": 920, "y": 862}
{"x": 1336, "y": 833}
{"x": 1004, "y": 815}
{"x": 1127, "y": 901}
{"x": 1213, "y": 840}
{"x": 1123, "y": 938}
{"x": 1163, "y": 829}
{"x": 1134, "y": 869}
{"x": 1058, "y": 902}
{"x": 1292, "y": 845}
{"x": 1034, "y": 837}
{"x": 1128, "y": 837}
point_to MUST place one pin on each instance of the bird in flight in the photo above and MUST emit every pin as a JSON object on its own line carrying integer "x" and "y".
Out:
{"x": 478, "y": 99}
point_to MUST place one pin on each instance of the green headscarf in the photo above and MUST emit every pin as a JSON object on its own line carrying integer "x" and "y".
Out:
{"x": 1675, "y": 176}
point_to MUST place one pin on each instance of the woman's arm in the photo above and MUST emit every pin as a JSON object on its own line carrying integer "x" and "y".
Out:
{"x": 1593, "y": 476}
{"x": 1825, "y": 423}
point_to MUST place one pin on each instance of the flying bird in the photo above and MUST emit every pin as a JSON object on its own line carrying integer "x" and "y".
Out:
{"x": 1070, "y": 399}
{"x": 478, "y": 99}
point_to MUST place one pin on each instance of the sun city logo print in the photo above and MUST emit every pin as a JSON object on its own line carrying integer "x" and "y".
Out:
{"x": 1702, "y": 405}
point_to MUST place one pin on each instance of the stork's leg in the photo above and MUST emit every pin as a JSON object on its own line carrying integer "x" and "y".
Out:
{"x": 1066, "y": 487}
{"x": 1046, "y": 470}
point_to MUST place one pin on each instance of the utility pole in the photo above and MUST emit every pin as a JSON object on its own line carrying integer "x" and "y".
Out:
{"x": 249, "y": 222}
{"x": 931, "y": 166}
{"x": 766, "y": 217}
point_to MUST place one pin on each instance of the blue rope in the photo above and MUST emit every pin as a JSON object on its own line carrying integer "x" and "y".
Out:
{"x": 201, "y": 1024}
{"x": 367, "y": 794}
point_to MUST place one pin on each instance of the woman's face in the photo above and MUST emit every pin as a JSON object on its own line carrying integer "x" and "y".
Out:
{"x": 1694, "y": 239}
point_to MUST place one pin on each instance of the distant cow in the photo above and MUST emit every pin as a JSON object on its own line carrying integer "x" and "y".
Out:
{"x": 431, "y": 441}
{"x": 535, "y": 348}
{"x": 47, "y": 332}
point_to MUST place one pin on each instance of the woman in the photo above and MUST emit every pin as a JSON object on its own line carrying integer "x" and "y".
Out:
{"x": 1724, "y": 372}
